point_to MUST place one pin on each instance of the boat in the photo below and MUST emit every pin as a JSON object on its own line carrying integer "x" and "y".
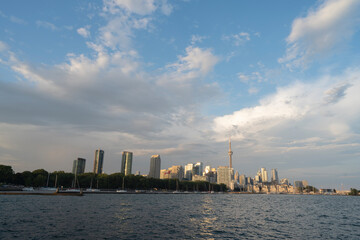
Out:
{"x": 121, "y": 191}
{"x": 92, "y": 190}
{"x": 72, "y": 190}
{"x": 28, "y": 189}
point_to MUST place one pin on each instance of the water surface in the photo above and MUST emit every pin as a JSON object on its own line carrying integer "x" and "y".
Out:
{"x": 180, "y": 216}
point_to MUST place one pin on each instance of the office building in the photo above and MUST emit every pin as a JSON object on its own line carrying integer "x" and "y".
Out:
{"x": 264, "y": 175}
{"x": 284, "y": 181}
{"x": 79, "y": 166}
{"x": 199, "y": 168}
{"x": 225, "y": 175}
{"x": 188, "y": 171}
{"x": 242, "y": 180}
{"x": 155, "y": 164}
{"x": 126, "y": 163}
{"x": 274, "y": 176}
{"x": 305, "y": 183}
{"x": 236, "y": 177}
{"x": 176, "y": 172}
{"x": 98, "y": 162}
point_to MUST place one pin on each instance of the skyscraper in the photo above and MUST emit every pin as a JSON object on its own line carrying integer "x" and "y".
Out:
{"x": 225, "y": 175}
{"x": 274, "y": 176}
{"x": 264, "y": 175}
{"x": 126, "y": 162}
{"x": 199, "y": 168}
{"x": 98, "y": 162}
{"x": 155, "y": 163}
{"x": 188, "y": 171}
{"x": 230, "y": 154}
{"x": 79, "y": 166}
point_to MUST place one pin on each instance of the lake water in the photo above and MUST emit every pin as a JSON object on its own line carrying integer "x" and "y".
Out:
{"x": 180, "y": 216}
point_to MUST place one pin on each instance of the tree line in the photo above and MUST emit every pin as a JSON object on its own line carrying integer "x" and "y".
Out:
{"x": 42, "y": 178}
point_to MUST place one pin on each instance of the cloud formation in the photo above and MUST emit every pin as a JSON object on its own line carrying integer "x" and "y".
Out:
{"x": 323, "y": 29}
{"x": 321, "y": 109}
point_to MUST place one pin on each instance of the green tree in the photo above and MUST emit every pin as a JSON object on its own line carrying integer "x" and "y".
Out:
{"x": 28, "y": 178}
{"x": 354, "y": 192}
{"x": 6, "y": 174}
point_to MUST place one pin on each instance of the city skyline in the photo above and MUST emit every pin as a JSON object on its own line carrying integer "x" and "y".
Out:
{"x": 280, "y": 78}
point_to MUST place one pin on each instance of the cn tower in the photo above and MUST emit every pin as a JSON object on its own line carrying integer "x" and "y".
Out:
{"x": 230, "y": 153}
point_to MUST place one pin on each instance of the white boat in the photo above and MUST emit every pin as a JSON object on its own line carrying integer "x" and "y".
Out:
{"x": 121, "y": 191}
{"x": 72, "y": 190}
{"x": 92, "y": 190}
{"x": 48, "y": 189}
{"x": 28, "y": 189}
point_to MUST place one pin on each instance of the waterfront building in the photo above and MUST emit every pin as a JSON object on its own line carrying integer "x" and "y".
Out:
{"x": 137, "y": 173}
{"x": 155, "y": 164}
{"x": 264, "y": 175}
{"x": 164, "y": 174}
{"x": 249, "y": 181}
{"x": 78, "y": 166}
{"x": 188, "y": 171}
{"x": 225, "y": 175}
{"x": 207, "y": 169}
{"x": 174, "y": 172}
{"x": 198, "y": 168}
{"x": 242, "y": 180}
{"x": 210, "y": 173}
{"x": 305, "y": 183}
{"x": 126, "y": 162}
{"x": 298, "y": 184}
{"x": 284, "y": 181}
{"x": 98, "y": 161}
{"x": 200, "y": 178}
{"x": 236, "y": 177}
{"x": 274, "y": 176}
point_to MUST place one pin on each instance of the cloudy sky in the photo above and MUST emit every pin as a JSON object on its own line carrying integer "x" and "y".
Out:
{"x": 177, "y": 78}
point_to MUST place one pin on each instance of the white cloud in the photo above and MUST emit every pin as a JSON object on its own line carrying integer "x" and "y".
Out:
{"x": 84, "y": 32}
{"x": 322, "y": 109}
{"x": 197, "y": 39}
{"x": 257, "y": 76}
{"x": 201, "y": 60}
{"x": 320, "y": 31}
{"x": 141, "y": 7}
{"x": 237, "y": 39}
{"x": 253, "y": 90}
{"x": 17, "y": 20}
{"x": 46, "y": 25}
{"x": 3, "y": 46}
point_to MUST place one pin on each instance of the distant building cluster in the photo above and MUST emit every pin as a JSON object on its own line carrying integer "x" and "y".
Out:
{"x": 198, "y": 172}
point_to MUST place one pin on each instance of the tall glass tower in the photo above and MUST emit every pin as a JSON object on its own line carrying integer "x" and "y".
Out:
{"x": 126, "y": 162}
{"x": 79, "y": 166}
{"x": 155, "y": 163}
{"x": 98, "y": 162}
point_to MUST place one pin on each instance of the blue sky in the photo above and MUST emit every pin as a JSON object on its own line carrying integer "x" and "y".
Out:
{"x": 177, "y": 78}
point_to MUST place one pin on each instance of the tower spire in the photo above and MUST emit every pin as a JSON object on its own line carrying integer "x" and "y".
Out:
{"x": 230, "y": 153}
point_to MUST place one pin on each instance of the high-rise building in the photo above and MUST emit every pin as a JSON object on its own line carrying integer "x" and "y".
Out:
{"x": 225, "y": 175}
{"x": 264, "y": 175}
{"x": 126, "y": 163}
{"x": 155, "y": 164}
{"x": 98, "y": 162}
{"x": 230, "y": 154}
{"x": 236, "y": 177}
{"x": 188, "y": 171}
{"x": 242, "y": 180}
{"x": 199, "y": 168}
{"x": 79, "y": 166}
{"x": 274, "y": 176}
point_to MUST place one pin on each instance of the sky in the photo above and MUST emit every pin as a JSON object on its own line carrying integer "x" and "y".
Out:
{"x": 178, "y": 78}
